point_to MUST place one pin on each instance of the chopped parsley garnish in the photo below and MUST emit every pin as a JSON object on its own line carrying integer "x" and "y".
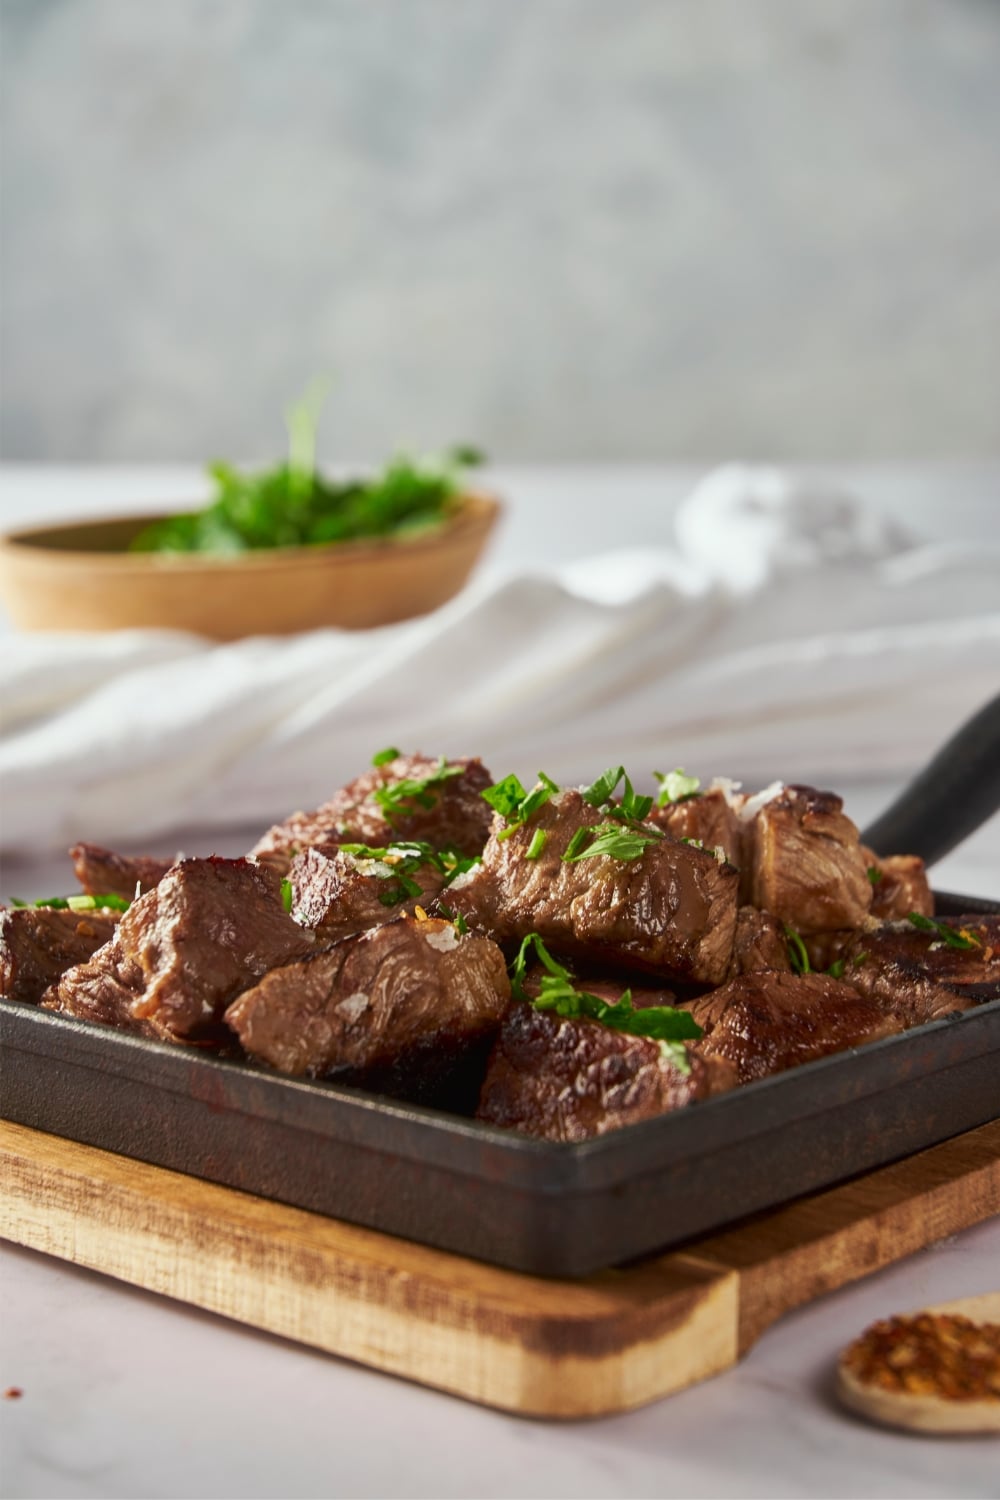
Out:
{"x": 797, "y": 955}
{"x": 292, "y": 505}
{"x": 383, "y": 757}
{"x": 612, "y": 839}
{"x": 955, "y": 937}
{"x": 836, "y": 969}
{"x": 286, "y": 894}
{"x": 659, "y": 1023}
{"x": 456, "y": 918}
{"x": 396, "y": 864}
{"x": 676, "y": 786}
{"x": 632, "y": 806}
{"x": 537, "y": 844}
{"x": 106, "y": 901}
{"x": 874, "y": 874}
{"x": 515, "y": 805}
{"x": 397, "y": 798}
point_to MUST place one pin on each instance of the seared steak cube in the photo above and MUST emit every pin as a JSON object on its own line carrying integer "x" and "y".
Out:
{"x": 899, "y": 886}
{"x": 338, "y": 893}
{"x": 565, "y": 1079}
{"x": 710, "y": 817}
{"x": 670, "y": 910}
{"x": 38, "y": 943}
{"x": 410, "y": 797}
{"x": 760, "y": 943}
{"x": 106, "y": 989}
{"x": 102, "y": 872}
{"x": 803, "y": 861}
{"x": 373, "y": 1001}
{"x": 765, "y": 1022}
{"x": 187, "y": 948}
{"x": 922, "y": 974}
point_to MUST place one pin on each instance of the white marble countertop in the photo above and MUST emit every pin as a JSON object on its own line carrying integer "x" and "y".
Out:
{"x": 127, "y": 1394}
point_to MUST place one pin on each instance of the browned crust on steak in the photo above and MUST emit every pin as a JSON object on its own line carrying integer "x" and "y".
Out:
{"x": 337, "y": 895}
{"x": 803, "y": 862}
{"x": 765, "y": 1022}
{"x": 184, "y": 950}
{"x": 458, "y": 817}
{"x": 566, "y": 1080}
{"x": 102, "y": 872}
{"x": 38, "y": 944}
{"x": 671, "y": 911}
{"x": 369, "y": 1000}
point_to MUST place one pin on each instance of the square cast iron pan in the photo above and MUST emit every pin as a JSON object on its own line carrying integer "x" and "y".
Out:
{"x": 546, "y": 1208}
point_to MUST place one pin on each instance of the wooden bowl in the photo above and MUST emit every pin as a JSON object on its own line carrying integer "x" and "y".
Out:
{"x": 81, "y": 577}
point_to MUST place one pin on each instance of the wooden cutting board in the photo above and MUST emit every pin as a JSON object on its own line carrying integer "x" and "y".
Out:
{"x": 602, "y": 1344}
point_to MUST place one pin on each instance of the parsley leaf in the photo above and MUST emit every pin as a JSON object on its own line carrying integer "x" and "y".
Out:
{"x": 509, "y": 798}
{"x": 874, "y": 874}
{"x": 537, "y": 844}
{"x": 397, "y": 798}
{"x": 383, "y": 757}
{"x": 505, "y": 796}
{"x": 104, "y": 901}
{"x": 676, "y": 786}
{"x": 954, "y": 937}
{"x": 661, "y": 1023}
{"x": 292, "y": 505}
{"x": 286, "y": 894}
{"x": 797, "y": 954}
{"x": 612, "y": 839}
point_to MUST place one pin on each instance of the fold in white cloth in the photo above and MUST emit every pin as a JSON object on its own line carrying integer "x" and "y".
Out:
{"x": 788, "y": 634}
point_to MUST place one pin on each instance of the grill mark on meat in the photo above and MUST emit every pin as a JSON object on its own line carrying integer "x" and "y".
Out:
{"x": 921, "y": 977}
{"x": 672, "y": 911}
{"x": 459, "y": 818}
{"x": 184, "y": 950}
{"x": 307, "y": 1017}
{"x": 38, "y": 944}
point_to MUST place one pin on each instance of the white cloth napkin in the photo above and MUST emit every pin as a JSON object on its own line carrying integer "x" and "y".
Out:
{"x": 788, "y": 634}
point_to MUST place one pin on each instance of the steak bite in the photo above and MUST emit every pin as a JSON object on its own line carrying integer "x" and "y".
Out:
{"x": 101, "y": 872}
{"x": 803, "y": 860}
{"x": 760, "y": 943}
{"x": 764, "y": 1022}
{"x": 183, "y": 951}
{"x": 565, "y": 1079}
{"x": 409, "y": 797}
{"x": 899, "y": 886}
{"x": 105, "y": 989}
{"x": 710, "y": 817}
{"x": 337, "y": 893}
{"x": 669, "y": 909}
{"x": 410, "y": 994}
{"x": 919, "y": 972}
{"x": 39, "y": 943}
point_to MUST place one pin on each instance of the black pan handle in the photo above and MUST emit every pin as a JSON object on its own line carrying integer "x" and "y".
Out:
{"x": 949, "y": 799}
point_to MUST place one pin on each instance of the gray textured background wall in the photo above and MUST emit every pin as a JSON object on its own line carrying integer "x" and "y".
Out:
{"x": 562, "y": 228}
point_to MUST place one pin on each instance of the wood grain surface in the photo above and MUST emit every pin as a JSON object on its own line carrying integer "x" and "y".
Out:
{"x": 552, "y": 1348}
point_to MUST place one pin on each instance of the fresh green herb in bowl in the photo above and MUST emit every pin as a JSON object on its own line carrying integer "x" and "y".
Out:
{"x": 292, "y": 505}
{"x": 277, "y": 551}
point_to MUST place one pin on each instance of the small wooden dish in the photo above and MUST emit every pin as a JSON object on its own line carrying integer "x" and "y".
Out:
{"x": 927, "y": 1409}
{"x": 82, "y": 577}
